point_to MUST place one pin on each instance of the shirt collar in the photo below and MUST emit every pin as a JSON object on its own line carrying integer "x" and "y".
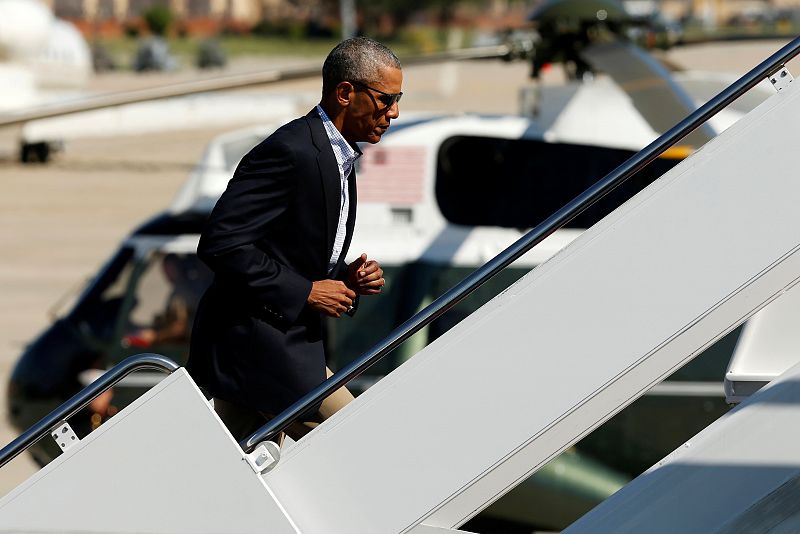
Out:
{"x": 350, "y": 152}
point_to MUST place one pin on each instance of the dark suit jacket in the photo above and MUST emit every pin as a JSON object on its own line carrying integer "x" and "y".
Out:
{"x": 254, "y": 341}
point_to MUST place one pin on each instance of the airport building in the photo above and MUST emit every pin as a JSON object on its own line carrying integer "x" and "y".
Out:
{"x": 720, "y": 12}
{"x": 245, "y": 10}
{"x": 209, "y": 16}
{"x": 109, "y": 16}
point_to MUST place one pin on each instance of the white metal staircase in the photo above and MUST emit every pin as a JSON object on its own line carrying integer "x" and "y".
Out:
{"x": 485, "y": 405}
{"x": 741, "y": 474}
{"x": 573, "y": 342}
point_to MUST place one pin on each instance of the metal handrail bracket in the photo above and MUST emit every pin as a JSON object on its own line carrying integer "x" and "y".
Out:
{"x": 81, "y": 399}
{"x": 574, "y": 208}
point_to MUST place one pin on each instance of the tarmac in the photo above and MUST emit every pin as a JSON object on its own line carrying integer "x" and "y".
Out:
{"x": 62, "y": 220}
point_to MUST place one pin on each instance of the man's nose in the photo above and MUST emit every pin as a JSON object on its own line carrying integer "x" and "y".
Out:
{"x": 394, "y": 110}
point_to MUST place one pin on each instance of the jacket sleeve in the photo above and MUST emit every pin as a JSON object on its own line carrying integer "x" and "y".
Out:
{"x": 256, "y": 195}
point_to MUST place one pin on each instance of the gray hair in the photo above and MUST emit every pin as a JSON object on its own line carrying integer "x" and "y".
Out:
{"x": 359, "y": 59}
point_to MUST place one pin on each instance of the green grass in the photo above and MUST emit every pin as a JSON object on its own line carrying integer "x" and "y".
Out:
{"x": 122, "y": 49}
{"x": 185, "y": 49}
{"x": 694, "y": 33}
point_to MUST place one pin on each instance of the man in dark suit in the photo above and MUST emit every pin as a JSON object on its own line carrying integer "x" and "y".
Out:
{"x": 277, "y": 240}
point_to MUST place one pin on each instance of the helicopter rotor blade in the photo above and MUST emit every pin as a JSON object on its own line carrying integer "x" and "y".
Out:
{"x": 653, "y": 91}
{"x": 221, "y": 83}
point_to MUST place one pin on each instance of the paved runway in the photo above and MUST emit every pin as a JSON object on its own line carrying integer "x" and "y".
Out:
{"x": 61, "y": 221}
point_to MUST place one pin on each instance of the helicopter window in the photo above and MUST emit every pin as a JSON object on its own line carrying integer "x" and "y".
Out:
{"x": 104, "y": 293}
{"x": 235, "y": 150}
{"x": 198, "y": 8}
{"x": 69, "y": 9}
{"x": 116, "y": 289}
{"x": 164, "y": 300}
{"x": 136, "y": 7}
{"x": 517, "y": 183}
{"x": 105, "y": 10}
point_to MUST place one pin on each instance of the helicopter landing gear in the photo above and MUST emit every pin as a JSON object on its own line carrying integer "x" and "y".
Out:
{"x": 38, "y": 152}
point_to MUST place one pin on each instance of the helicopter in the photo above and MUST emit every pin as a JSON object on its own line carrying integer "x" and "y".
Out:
{"x": 42, "y": 60}
{"x": 427, "y": 239}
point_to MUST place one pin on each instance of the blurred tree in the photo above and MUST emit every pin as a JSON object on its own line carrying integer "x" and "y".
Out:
{"x": 158, "y": 19}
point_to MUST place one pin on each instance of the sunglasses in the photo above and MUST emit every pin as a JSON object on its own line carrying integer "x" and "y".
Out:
{"x": 387, "y": 99}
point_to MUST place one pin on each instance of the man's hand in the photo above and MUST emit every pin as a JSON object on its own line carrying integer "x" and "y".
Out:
{"x": 331, "y": 297}
{"x": 365, "y": 277}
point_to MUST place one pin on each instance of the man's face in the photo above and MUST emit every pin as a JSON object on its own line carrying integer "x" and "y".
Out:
{"x": 368, "y": 116}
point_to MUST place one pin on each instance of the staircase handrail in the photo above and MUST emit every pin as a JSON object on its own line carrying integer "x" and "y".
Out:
{"x": 81, "y": 399}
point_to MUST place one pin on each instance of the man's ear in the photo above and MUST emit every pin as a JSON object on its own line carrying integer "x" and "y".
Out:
{"x": 344, "y": 93}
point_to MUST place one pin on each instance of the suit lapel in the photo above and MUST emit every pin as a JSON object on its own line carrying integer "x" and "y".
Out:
{"x": 329, "y": 174}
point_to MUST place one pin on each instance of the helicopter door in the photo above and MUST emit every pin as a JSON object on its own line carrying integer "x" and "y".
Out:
{"x": 161, "y": 302}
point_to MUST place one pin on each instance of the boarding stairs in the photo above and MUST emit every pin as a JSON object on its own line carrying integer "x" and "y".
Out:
{"x": 505, "y": 391}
